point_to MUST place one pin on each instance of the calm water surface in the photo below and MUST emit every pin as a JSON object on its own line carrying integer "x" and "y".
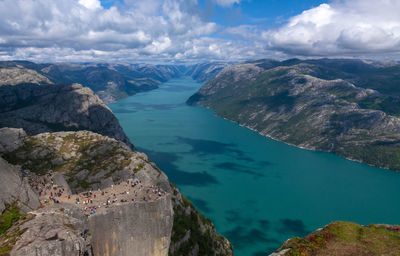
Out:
{"x": 257, "y": 191}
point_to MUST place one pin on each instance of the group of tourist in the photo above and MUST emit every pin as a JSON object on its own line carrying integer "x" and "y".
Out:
{"x": 90, "y": 202}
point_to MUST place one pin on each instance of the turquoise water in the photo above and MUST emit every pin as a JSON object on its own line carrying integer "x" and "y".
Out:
{"x": 257, "y": 191}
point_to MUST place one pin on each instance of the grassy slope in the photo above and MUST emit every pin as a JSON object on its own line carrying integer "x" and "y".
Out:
{"x": 346, "y": 238}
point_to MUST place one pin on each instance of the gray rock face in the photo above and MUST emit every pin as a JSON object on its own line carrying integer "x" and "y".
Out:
{"x": 60, "y": 229}
{"x": 11, "y": 139}
{"x": 49, "y": 108}
{"x": 59, "y": 179}
{"x": 133, "y": 229}
{"x": 205, "y": 71}
{"x": 14, "y": 188}
{"x": 17, "y": 75}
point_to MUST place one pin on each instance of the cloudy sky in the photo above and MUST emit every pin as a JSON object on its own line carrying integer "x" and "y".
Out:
{"x": 197, "y": 30}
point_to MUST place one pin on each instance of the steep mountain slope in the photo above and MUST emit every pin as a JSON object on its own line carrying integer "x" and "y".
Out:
{"x": 289, "y": 102}
{"x": 345, "y": 238}
{"x": 203, "y": 72}
{"x": 54, "y": 107}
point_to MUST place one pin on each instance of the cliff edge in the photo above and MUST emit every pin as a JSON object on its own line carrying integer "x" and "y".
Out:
{"x": 126, "y": 204}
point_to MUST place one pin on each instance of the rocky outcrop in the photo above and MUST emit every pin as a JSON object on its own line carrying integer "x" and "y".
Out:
{"x": 17, "y": 75}
{"x": 286, "y": 101}
{"x": 15, "y": 188}
{"x": 84, "y": 159}
{"x": 11, "y": 139}
{"x": 88, "y": 161}
{"x": 345, "y": 238}
{"x": 60, "y": 229}
{"x": 49, "y": 108}
{"x": 142, "y": 228}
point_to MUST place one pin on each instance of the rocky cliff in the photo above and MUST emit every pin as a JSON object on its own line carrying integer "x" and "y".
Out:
{"x": 15, "y": 188}
{"x": 300, "y": 103}
{"x": 58, "y": 229}
{"x": 345, "y": 238}
{"x": 45, "y": 107}
{"x": 156, "y": 224}
{"x": 143, "y": 228}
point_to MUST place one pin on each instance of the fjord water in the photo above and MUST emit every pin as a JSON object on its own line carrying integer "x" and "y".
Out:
{"x": 257, "y": 191}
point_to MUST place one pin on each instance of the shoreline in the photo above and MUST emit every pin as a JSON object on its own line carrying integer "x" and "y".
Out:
{"x": 293, "y": 145}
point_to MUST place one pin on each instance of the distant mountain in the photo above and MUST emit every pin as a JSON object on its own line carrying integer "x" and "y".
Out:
{"x": 203, "y": 72}
{"x": 112, "y": 82}
{"x": 347, "y": 107}
{"x": 109, "y": 81}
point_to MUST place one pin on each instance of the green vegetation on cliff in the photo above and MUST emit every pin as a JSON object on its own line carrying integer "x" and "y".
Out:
{"x": 193, "y": 232}
{"x": 346, "y": 238}
{"x": 10, "y": 220}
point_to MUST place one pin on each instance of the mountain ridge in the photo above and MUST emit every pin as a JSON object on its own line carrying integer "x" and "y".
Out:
{"x": 291, "y": 103}
{"x": 110, "y": 82}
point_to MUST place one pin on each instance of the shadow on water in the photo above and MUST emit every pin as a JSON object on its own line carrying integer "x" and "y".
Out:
{"x": 205, "y": 147}
{"x": 201, "y": 204}
{"x": 292, "y": 227}
{"x": 240, "y": 236}
{"x": 229, "y": 166}
{"x": 165, "y": 161}
{"x": 265, "y": 224}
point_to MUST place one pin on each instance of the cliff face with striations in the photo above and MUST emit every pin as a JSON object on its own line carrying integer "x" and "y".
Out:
{"x": 142, "y": 228}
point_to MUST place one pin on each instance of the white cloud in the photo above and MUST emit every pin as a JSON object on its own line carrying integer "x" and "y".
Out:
{"x": 49, "y": 30}
{"x": 91, "y": 4}
{"x": 151, "y": 30}
{"x": 349, "y": 27}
